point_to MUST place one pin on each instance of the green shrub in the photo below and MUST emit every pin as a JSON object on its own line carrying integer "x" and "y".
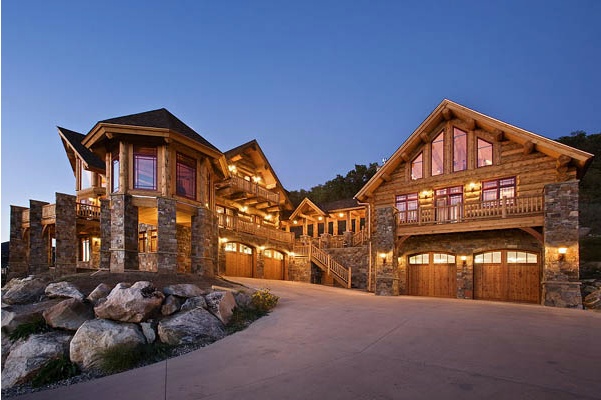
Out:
{"x": 264, "y": 301}
{"x": 54, "y": 371}
{"x": 27, "y": 329}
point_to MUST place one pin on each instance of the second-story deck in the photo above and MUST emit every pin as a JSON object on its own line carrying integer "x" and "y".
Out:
{"x": 82, "y": 211}
{"x": 506, "y": 213}
{"x": 236, "y": 224}
{"x": 239, "y": 187}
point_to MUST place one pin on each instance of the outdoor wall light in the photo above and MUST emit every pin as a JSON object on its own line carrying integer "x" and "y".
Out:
{"x": 425, "y": 194}
{"x": 562, "y": 253}
{"x": 341, "y": 215}
{"x": 383, "y": 257}
{"x": 295, "y": 222}
{"x": 222, "y": 240}
{"x": 261, "y": 248}
{"x": 472, "y": 186}
{"x": 292, "y": 254}
{"x": 463, "y": 258}
{"x": 320, "y": 218}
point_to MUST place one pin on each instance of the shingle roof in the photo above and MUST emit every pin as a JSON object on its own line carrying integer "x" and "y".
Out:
{"x": 74, "y": 139}
{"x": 339, "y": 204}
{"x": 160, "y": 118}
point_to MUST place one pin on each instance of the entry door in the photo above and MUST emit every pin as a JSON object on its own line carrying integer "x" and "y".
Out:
{"x": 507, "y": 275}
{"x": 273, "y": 264}
{"x": 432, "y": 274}
{"x": 238, "y": 260}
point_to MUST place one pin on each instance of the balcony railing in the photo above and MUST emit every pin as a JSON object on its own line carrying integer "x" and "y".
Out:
{"x": 49, "y": 211}
{"x": 492, "y": 209}
{"x": 253, "y": 188}
{"x": 88, "y": 211}
{"x": 239, "y": 225}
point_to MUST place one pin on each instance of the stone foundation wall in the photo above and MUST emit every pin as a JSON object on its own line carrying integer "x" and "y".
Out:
{"x": 299, "y": 269}
{"x": 383, "y": 246}
{"x": 148, "y": 262}
{"x": 355, "y": 258}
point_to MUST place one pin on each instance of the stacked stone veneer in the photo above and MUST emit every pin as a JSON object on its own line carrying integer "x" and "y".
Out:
{"x": 66, "y": 234}
{"x": 124, "y": 233}
{"x": 561, "y": 287}
{"x": 105, "y": 233}
{"x": 38, "y": 244}
{"x": 383, "y": 243}
{"x": 184, "y": 260}
{"x": 463, "y": 244}
{"x": 19, "y": 244}
{"x": 167, "y": 235}
{"x": 299, "y": 269}
{"x": 204, "y": 242}
{"x": 355, "y": 258}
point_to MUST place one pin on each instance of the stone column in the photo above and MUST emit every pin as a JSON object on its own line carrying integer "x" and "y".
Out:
{"x": 465, "y": 277}
{"x": 324, "y": 241}
{"x": 18, "y": 247}
{"x": 38, "y": 246}
{"x": 66, "y": 234}
{"x": 205, "y": 242}
{"x": 383, "y": 257}
{"x": 184, "y": 251}
{"x": 561, "y": 287}
{"x": 124, "y": 233}
{"x": 259, "y": 265}
{"x": 167, "y": 235}
{"x": 105, "y": 233}
{"x": 347, "y": 237}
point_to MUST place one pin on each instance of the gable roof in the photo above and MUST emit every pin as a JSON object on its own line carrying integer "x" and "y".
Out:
{"x": 444, "y": 111}
{"x": 340, "y": 205}
{"x": 306, "y": 203}
{"x": 72, "y": 144}
{"x": 160, "y": 118}
{"x": 324, "y": 209}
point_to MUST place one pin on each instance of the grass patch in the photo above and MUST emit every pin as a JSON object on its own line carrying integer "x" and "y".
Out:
{"x": 122, "y": 358}
{"x": 54, "y": 371}
{"x": 27, "y": 329}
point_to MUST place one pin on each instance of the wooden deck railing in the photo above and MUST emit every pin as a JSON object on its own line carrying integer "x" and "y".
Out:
{"x": 326, "y": 263}
{"x": 239, "y": 225}
{"x": 253, "y": 188}
{"x": 49, "y": 211}
{"x": 492, "y": 209}
{"x": 88, "y": 211}
{"x": 25, "y": 217}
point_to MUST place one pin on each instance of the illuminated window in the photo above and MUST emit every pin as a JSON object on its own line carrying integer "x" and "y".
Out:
{"x": 407, "y": 204}
{"x": 459, "y": 150}
{"x": 484, "y": 153}
{"x": 85, "y": 177}
{"x": 438, "y": 155}
{"x": 231, "y": 247}
{"x": 420, "y": 259}
{"x": 115, "y": 171}
{"x": 147, "y": 241}
{"x": 491, "y": 257}
{"x": 145, "y": 168}
{"x": 417, "y": 167}
{"x": 498, "y": 189}
{"x": 185, "y": 171}
{"x": 85, "y": 249}
{"x": 245, "y": 249}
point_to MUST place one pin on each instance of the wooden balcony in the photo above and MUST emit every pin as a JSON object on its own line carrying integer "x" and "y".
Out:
{"x": 517, "y": 212}
{"x": 236, "y": 224}
{"x": 82, "y": 211}
{"x": 246, "y": 189}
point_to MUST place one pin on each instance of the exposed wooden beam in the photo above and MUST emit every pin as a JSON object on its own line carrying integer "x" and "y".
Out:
{"x": 405, "y": 156}
{"x": 528, "y": 147}
{"x": 447, "y": 114}
{"x": 424, "y": 137}
{"x": 563, "y": 161}
{"x": 470, "y": 123}
{"x": 534, "y": 233}
{"x": 262, "y": 206}
{"x": 386, "y": 177}
{"x": 499, "y": 135}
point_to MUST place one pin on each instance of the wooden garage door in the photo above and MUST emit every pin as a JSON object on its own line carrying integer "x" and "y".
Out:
{"x": 238, "y": 260}
{"x": 432, "y": 274}
{"x": 507, "y": 275}
{"x": 273, "y": 264}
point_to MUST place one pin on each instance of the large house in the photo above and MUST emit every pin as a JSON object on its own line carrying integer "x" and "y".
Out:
{"x": 468, "y": 207}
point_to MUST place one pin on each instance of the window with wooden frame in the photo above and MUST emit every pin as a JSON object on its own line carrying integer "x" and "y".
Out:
{"x": 485, "y": 153}
{"x": 498, "y": 188}
{"x": 438, "y": 155}
{"x": 147, "y": 241}
{"x": 115, "y": 171}
{"x": 408, "y": 205}
{"x": 417, "y": 167}
{"x": 185, "y": 176}
{"x": 145, "y": 168}
{"x": 85, "y": 177}
{"x": 459, "y": 150}
{"x": 448, "y": 203}
{"x": 85, "y": 250}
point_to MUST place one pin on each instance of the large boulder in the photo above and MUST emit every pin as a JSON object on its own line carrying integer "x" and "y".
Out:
{"x": 221, "y": 304}
{"x": 197, "y": 325}
{"x": 149, "y": 331}
{"x": 100, "y": 292}
{"x": 185, "y": 290}
{"x": 23, "y": 291}
{"x": 7, "y": 344}
{"x": 28, "y": 356}
{"x": 171, "y": 305}
{"x": 135, "y": 303}
{"x": 593, "y": 300}
{"x": 15, "y": 315}
{"x": 69, "y": 314}
{"x": 194, "y": 302}
{"x": 98, "y": 335}
{"x": 63, "y": 289}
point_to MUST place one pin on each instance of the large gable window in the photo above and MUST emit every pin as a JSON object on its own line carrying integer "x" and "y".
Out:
{"x": 459, "y": 150}
{"x": 438, "y": 155}
{"x": 484, "y": 153}
{"x": 417, "y": 167}
{"x": 145, "y": 168}
{"x": 185, "y": 172}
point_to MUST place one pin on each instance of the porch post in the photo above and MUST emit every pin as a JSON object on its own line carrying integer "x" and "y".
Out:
{"x": 383, "y": 257}
{"x": 18, "y": 248}
{"x": 66, "y": 234}
{"x": 38, "y": 247}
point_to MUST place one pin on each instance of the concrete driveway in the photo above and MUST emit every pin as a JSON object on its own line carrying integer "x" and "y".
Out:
{"x": 329, "y": 343}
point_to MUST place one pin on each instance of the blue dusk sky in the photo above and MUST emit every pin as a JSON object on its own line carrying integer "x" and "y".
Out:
{"x": 322, "y": 85}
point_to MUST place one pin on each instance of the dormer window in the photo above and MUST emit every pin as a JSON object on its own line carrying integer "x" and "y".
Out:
{"x": 145, "y": 168}
{"x": 438, "y": 155}
{"x": 459, "y": 150}
{"x": 484, "y": 153}
{"x": 417, "y": 167}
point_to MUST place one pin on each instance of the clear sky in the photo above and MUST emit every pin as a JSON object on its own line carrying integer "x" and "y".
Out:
{"x": 322, "y": 85}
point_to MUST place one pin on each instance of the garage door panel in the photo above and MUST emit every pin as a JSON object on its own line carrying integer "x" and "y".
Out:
{"x": 238, "y": 264}
{"x": 273, "y": 268}
{"x": 433, "y": 280}
{"x": 524, "y": 282}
